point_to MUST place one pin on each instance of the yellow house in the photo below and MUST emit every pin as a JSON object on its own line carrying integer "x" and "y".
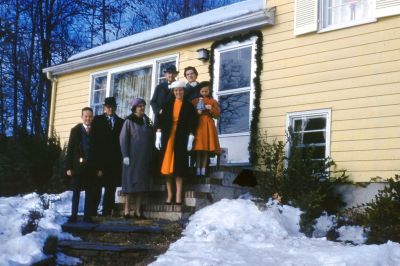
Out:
{"x": 328, "y": 68}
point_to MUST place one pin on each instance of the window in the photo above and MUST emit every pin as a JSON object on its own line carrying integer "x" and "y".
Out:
{"x": 324, "y": 15}
{"x": 312, "y": 130}
{"x": 234, "y": 71}
{"x": 344, "y": 12}
{"x": 162, "y": 66}
{"x": 99, "y": 86}
{"x": 234, "y": 86}
{"x": 125, "y": 86}
{"x": 127, "y": 82}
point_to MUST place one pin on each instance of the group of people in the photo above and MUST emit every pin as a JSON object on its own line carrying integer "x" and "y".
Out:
{"x": 107, "y": 151}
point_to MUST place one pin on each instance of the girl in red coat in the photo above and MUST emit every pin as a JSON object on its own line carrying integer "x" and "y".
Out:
{"x": 206, "y": 139}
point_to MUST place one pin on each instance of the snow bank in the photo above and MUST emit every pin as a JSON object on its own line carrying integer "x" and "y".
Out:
{"x": 18, "y": 249}
{"x": 236, "y": 232}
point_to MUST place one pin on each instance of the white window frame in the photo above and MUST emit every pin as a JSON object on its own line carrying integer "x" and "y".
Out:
{"x": 321, "y": 19}
{"x": 153, "y": 62}
{"x": 312, "y": 113}
{"x": 234, "y": 45}
{"x": 91, "y": 84}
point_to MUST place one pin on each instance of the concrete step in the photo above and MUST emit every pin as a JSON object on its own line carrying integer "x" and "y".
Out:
{"x": 168, "y": 212}
{"x": 192, "y": 180}
{"x": 100, "y": 253}
{"x": 80, "y": 227}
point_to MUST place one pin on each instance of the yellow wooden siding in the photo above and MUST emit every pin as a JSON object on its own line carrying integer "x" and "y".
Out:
{"x": 355, "y": 72}
{"x": 73, "y": 89}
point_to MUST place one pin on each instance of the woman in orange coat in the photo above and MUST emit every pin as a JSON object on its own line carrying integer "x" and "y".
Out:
{"x": 174, "y": 135}
{"x": 206, "y": 138}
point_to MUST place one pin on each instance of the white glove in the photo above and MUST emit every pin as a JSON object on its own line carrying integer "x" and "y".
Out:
{"x": 158, "y": 140}
{"x": 126, "y": 160}
{"x": 190, "y": 142}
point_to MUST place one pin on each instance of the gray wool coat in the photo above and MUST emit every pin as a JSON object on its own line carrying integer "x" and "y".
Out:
{"x": 137, "y": 141}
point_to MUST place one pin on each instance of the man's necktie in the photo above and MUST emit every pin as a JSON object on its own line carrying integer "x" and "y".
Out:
{"x": 110, "y": 122}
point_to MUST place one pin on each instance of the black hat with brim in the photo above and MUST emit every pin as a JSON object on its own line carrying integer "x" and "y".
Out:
{"x": 171, "y": 69}
{"x": 110, "y": 101}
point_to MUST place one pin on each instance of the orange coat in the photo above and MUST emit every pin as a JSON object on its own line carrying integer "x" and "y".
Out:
{"x": 206, "y": 138}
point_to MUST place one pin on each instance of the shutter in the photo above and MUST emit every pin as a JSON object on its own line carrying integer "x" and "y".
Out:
{"x": 305, "y": 16}
{"x": 387, "y": 8}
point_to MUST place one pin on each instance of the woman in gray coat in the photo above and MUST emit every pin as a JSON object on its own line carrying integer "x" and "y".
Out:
{"x": 136, "y": 141}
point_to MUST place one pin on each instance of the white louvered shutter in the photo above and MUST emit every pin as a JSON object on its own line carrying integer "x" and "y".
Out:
{"x": 387, "y": 8}
{"x": 305, "y": 16}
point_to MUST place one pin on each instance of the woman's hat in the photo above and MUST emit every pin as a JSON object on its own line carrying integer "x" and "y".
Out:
{"x": 136, "y": 101}
{"x": 177, "y": 84}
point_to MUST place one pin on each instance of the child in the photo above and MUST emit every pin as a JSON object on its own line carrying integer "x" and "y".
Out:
{"x": 206, "y": 139}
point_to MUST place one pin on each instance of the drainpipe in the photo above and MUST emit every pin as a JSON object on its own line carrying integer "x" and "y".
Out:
{"x": 52, "y": 103}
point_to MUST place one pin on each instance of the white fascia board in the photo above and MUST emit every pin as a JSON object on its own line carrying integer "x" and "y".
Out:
{"x": 243, "y": 23}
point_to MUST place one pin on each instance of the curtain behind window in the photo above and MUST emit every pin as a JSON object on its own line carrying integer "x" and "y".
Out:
{"x": 131, "y": 84}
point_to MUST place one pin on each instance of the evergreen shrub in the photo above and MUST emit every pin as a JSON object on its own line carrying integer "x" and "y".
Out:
{"x": 26, "y": 163}
{"x": 381, "y": 216}
{"x": 300, "y": 179}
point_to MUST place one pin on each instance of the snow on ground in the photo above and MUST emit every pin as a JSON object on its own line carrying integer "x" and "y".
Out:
{"x": 18, "y": 249}
{"x": 236, "y": 232}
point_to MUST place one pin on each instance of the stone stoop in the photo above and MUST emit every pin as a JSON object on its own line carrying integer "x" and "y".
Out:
{"x": 198, "y": 193}
{"x": 100, "y": 253}
{"x": 113, "y": 241}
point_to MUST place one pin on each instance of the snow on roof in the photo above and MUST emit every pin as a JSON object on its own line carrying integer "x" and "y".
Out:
{"x": 203, "y": 19}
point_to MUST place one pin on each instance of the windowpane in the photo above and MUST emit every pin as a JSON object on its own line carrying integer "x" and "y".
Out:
{"x": 298, "y": 125}
{"x": 98, "y": 94}
{"x": 313, "y": 137}
{"x": 235, "y": 69}
{"x": 98, "y": 109}
{"x": 336, "y": 12}
{"x": 234, "y": 113}
{"x": 131, "y": 84}
{"x": 100, "y": 83}
{"x": 315, "y": 123}
{"x": 162, "y": 66}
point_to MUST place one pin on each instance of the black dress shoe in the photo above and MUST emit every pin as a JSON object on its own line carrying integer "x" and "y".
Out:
{"x": 72, "y": 219}
{"x": 178, "y": 203}
{"x": 127, "y": 216}
{"x": 88, "y": 220}
{"x": 168, "y": 203}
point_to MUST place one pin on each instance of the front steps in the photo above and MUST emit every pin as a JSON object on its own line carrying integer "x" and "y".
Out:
{"x": 116, "y": 241}
{"x": 198, "y": 193}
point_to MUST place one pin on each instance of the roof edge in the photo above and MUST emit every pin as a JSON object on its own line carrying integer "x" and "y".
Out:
{"x": 239, "y": 24}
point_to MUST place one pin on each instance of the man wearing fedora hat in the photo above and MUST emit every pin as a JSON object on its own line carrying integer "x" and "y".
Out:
{"x": 107, "y": 154}
{"x": 162, "y": 92}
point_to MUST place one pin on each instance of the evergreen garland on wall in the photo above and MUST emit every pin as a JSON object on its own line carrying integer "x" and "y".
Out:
{"x": 256, "y": 81}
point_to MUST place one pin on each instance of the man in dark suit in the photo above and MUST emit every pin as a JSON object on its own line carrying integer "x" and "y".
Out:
{"x": 78, "y": 164}
{"x": 162, "y": 93}
{"x": 107, "y": 156}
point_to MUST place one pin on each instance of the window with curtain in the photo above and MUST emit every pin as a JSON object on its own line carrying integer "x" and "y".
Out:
{"x": 341, "y": 12}
{"x": 99, "y": 87}
{"x": 131, "y": 84}
{"x": 312, "y": 132}
{"x": 234, "y": 87}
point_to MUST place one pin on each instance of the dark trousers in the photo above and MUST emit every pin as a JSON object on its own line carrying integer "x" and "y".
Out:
{"x": 77, "y": 187}
{"x": 108, "y": 198}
